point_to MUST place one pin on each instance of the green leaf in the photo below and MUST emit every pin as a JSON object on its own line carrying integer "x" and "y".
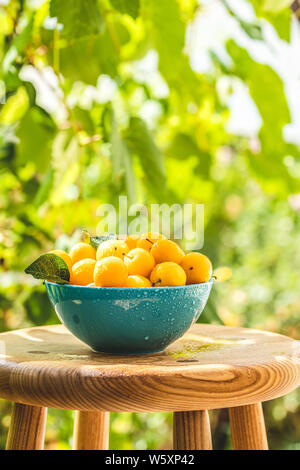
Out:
{"x": 65, "y": 162}
{"x": 141, "y": 143}
{"x": 79, "y": 17}
{"x": 44, "y": 189}
{"x": 17, "y": 46}
{"x": 253, "y": 30}
{"x": 50, "y": 267}
{"x": 15, "y": 107}
{"x": 268, "y": 93}
{"x": 35, "y": 133}
{"x": 275, "y": 12}
{"x": 121, "y": 32}
{"x": 167, "y": 31}
{"x": 7, "y": 144}
{"x": 184, "y": 146}
{"x": 130, "y": 7}
{"x": 121, "y": 159}
{"x": 275, "y": 5}
{"x": 84, "y": 120}
{"x": 269, "y": 97}
{"x": 87, "y": 58}
{"x": 97, "y": 240}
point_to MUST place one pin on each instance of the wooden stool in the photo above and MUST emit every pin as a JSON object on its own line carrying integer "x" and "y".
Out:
{"x": 210, "y": 367}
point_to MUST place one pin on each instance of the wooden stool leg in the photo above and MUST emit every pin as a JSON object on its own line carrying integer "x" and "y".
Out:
{"x": 91, "y": 430}
{"x": 248, "y": 427}
{"x": 191, "y": 430}
{"x": 27, "y": 428}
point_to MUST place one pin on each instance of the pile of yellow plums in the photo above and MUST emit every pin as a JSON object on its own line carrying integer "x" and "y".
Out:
{"x": 148, "y": 260}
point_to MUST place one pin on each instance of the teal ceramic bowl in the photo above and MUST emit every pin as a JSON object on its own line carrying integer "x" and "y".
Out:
{"x": 128, "y": 320}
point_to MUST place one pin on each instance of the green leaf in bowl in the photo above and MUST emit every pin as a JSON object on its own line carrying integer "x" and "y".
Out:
{"x": 50, "y": 267}
{"x": 96, "y": 241}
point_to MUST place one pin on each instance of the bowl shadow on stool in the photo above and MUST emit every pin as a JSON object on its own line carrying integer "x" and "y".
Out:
{"x": 128, "y": 320}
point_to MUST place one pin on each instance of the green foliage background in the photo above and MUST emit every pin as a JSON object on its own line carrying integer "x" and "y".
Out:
{"x": 57, "y": 164}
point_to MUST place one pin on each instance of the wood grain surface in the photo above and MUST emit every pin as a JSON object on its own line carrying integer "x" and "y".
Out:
{"x": 27, "y": 428}
{"x": 91, "y": 430}
{"x": 191, "y": 430}
{"x": 209, "y": 367}
{"x": 248, "y": 429}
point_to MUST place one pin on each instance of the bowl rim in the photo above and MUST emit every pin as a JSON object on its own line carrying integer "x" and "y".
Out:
{"x": 126, "y": 289}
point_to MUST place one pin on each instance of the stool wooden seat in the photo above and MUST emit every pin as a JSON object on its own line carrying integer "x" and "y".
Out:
{"x": 209, "y": 367}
